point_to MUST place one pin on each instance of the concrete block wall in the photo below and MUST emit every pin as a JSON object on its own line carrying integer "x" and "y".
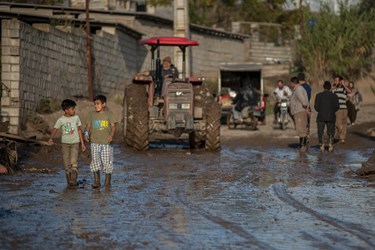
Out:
{"x": 10, "y": 74}
{"x": 115, "y": 62}
{"x": 49, "y": 63}
{"x": 214, "y": 50}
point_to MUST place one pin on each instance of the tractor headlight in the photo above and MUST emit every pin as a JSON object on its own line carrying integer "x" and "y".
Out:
{"x": 172, "y": 106}
{"x": 185, "y": 106}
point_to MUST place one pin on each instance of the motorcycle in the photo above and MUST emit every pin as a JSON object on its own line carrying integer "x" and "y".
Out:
{"x": 282, "y": 114}
{"x": 246, "y": 119}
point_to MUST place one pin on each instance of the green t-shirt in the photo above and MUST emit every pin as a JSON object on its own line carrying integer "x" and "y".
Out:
{"x": 69, "y": 127}
{"x": 101, "y": 124}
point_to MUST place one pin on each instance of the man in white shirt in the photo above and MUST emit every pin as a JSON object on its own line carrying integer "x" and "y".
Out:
{"x": 281, "y": 92}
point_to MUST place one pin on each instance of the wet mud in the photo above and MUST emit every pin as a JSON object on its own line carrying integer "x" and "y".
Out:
{"x": 258, "y": 192}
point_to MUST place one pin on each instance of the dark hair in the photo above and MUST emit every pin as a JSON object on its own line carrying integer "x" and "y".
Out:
{"x": 339, "y": 77}
{"x": 327, "y": 85}
{"x": 101, "y": 98}
{"x": 67, "y": 103}
{"x": 301, "y": 76}
{"x": 294, "y": 79}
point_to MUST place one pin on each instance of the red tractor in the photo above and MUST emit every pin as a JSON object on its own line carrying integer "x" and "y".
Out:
{"x": 185, "y": 106}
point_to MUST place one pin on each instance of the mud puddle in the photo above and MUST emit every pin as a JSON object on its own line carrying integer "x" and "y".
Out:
{"x": 170, "y": 197}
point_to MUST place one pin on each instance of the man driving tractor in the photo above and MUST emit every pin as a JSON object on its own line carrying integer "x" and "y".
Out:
{"x": 168, "y": 70}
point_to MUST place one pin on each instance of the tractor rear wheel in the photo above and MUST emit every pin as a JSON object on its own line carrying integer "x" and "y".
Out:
{"x": 201, "y": 96}
{"x": 209, "y": 138}
{"x": 213, "y": 124}
{"x": 136, "y": 129}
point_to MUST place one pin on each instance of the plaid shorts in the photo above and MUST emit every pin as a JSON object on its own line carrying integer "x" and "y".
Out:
{"x": 101, "y": 158}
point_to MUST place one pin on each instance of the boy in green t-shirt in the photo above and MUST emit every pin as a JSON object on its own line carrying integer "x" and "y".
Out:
{"x": 100, "y": 130}
{"x": 70, "y": 139}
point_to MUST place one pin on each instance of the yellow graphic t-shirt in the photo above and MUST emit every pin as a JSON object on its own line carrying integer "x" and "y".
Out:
{"x": 101, "y": 124}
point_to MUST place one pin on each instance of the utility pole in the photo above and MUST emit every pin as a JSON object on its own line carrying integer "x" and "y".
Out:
{"x": 300, "y": 19}
{"x": 88, "y": 43}
{"x": 181, "y": 25}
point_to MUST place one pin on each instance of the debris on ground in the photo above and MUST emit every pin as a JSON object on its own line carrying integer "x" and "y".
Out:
{"x": 23, "y": 139}
{"x": 8, "y": 152}
{"x": 368, "y": 168}
{"x": 8, "y": 157}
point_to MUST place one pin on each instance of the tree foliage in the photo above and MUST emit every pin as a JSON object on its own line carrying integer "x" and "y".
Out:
{"x": 337, "y": 44}
{"x": 221, "y": 13}
{"x": 366, "y": 5}
{"x": 43, "y": 2}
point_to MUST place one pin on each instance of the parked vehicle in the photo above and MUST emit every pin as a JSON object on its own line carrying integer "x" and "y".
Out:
{"x": 184, "y": 107}
{"x": 232, "y": 76}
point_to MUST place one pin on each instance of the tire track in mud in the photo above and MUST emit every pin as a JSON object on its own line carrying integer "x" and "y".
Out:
{"x": 353, "y": 229}
{"x": 234, "y": 228}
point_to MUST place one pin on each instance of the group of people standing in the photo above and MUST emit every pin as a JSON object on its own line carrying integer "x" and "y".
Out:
{"x": 335, "y": 104}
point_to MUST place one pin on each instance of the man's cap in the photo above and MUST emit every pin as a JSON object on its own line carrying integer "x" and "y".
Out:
{"x": 327, "y": 85}
{"x": 167, "y": 59}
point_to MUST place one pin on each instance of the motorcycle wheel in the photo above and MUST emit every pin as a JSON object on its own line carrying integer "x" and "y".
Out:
{"x": 254, "y": 124}
{"x": 282, "y": 121}
{"x": 230, "y": 121}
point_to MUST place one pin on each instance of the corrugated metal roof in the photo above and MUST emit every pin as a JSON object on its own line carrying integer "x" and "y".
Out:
{"x": 239, "y": 67}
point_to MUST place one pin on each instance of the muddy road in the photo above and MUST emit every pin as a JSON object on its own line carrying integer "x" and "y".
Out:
{"x": 257, "y": 193}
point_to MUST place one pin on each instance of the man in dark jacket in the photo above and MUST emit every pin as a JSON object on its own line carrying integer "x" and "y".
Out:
{"x": 326, "y": 104}
{"x": 248, "y": 96}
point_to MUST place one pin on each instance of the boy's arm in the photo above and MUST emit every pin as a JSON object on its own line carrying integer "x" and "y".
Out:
{"x": 113, "y": 131}
{"x": 53, "y": 133}
{"x": 87, "y": 133}
{"x": 80, "y": 134}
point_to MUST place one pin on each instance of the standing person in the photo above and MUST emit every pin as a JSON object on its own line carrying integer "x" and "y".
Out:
{"x": 326, "y": 104}
{"x": 100, "y": 130}
{"x": 307, "y": 87}
{"x": 280, "y": 92}
{"x": 247, "y": 96}
{"x": 341, "y": 90}
{"x": 299, "y": 108}
{"x": 70, "y": 139}
{"x": 353, "y": 103}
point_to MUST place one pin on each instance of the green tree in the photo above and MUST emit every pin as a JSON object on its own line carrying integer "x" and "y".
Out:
{"x": 45, "y": 2}
{"x": 337, "y": 44}
{"x": 221, "y": 13}
{"x": 366, "y": 5}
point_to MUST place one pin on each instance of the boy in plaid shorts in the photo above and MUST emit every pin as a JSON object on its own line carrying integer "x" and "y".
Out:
{"x": 70, "y": 139}
{"x": 100, "y": 130}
